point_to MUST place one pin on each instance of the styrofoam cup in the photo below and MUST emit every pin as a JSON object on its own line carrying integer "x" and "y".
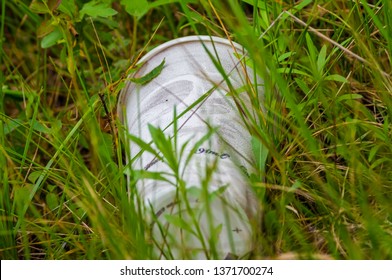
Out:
{"x": 202, "y": 206}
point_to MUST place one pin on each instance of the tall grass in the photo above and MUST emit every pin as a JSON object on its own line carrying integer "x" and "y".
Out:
{"x": 323, "y": 145}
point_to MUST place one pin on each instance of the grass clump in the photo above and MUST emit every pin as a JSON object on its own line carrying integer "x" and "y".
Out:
{"x": 322, "y": 147}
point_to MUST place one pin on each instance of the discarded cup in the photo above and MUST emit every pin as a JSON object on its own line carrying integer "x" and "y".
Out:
{"x": 187, "y": 102}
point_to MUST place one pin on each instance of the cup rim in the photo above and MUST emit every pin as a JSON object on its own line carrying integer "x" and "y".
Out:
{"x": 182, "y": 40}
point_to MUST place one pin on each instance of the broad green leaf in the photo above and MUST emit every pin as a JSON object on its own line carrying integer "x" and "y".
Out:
{"x": 285, "y": 56}
{"x": 194, "y": 192}
{"x": 144, "y": 146}
{"x": 34, "y": 176}
{"x": 292, "y": 71}
{"x": 303, "y": 86}
{"x": 373, "y": 153}
{"x": 37, "y": 126}
{"x": 264, "y": 7}
{"x": 336, "y": 78}
{"x": 215, "y": 234}
{"x": 321, "y": 60}
{"x": 261, "y": 153}
{"x": 379, "y": 162}
{"x": 143, "y": 174}
{"x": 45, "y": 28}
{"x": 311, "y": 48}
{"x": 54, "y": 4}
{"x": 70, "y": 64}
{"x": 52, "y": 38}
{"x": 22, "y": 198}
{"x": 301, "y": 4}
{"x": 56, "y": 126}
{"x": 11, "y": 125}
{"x": 51, "y": 187}
{"x": 39, "y": 7}
{"x": 297, "y": 184}
{"x": 149, "y": 76}
{"x": 135, "y": 8}
{"x": 179, "y": 222}
{"x": 216, "y": 194}
{"x": 349, "y": 97}
{"x": 108, "y": 142}
{"x": 164, "y": 145}
{"x": 96, "y": 9}
{"x": 68, "y": 8}
{"x": 52, "y": 201}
